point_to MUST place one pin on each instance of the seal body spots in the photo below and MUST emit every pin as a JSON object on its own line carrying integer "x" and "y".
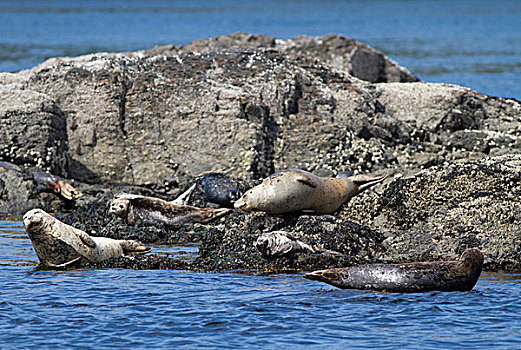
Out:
{"x": 458, "y": 275}
{"x": 220, "y": 189}
{"x": 133, "y": 209}
{"x": 296, "y": 190}
{"x": 280, "y": 243}
{"x": 59, "y": 245}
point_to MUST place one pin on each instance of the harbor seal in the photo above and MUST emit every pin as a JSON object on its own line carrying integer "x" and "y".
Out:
{"x": 458, "y": 275}
{"x": 133, "y": 209}
{"x": 277, "y": 244}
{"x": 60, "y": 245}
{"x": 295, "y": 190}
{"x": 220, "y": 189}
{"x": 46, "y": 182}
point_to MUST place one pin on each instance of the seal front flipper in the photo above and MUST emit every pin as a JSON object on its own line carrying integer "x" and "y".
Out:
{"x": 85, "y": 238}
{"x": 306, "y": 180}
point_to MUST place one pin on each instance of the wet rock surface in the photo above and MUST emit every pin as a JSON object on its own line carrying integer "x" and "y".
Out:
{"x": 154, "y": 122}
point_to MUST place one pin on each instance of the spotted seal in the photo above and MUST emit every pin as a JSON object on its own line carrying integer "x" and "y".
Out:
{"x": 149, "y": 210}
{"x": 60, "y": 245}
{"x": 457, "y": 275}
{"x": 295, "y": 190}
{"x": 278, "y": 244}
{"x": 220, "y": 189}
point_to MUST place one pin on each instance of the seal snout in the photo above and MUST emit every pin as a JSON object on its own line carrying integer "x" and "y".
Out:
{"x": 240, "y": 203}
{"x": 32, "y": 217}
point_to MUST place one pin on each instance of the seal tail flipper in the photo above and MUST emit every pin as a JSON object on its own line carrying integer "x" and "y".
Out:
{"x": 184, "y": 197}
{"x": 365, "y": 181}
{"x": 208, "y": 214}
{"x": 328, "y": 276}
{"x": 67, "y": 190}
{"x": 134, "y": 247}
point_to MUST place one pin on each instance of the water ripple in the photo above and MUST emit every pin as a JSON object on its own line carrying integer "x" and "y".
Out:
{"x": 165, "y": 309}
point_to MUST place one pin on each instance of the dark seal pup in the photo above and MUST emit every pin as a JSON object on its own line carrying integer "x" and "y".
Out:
{"x": 459, "y": 275}
{"x": 220, "y": 189}
{"x": 60, "y": 245}
{"x": 295, "y": 190}
{"x": 133, "y": 209}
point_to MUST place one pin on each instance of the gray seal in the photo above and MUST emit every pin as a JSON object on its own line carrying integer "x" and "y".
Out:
{"x": 295, "y": 190}
{"x": 456, "y": 275}
{"x": 60, "y": 245}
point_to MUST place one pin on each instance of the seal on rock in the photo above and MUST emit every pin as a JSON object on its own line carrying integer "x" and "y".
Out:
{"x": 220, "y": 189}
{"x": 60, "y": 245}
{"x": 295, "y": 190}
{"x": 278, "y": 244}
{"x": 46, "y": 182}
{"x": 458, "y": 275}
{"x": 150, "y": 210}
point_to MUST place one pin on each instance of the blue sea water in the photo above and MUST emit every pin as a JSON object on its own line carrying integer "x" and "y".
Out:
{"x": 471, "y": 43}
{"x": 129, "y": 309}
{"x": 475, "y": 44}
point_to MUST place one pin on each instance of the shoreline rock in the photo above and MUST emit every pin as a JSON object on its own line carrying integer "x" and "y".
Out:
{"x": 153, "y": 122}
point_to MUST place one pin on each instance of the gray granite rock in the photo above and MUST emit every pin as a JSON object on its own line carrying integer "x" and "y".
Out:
{"x": 154, "y": 121}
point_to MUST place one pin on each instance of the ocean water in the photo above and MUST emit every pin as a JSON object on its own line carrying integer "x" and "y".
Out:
{"x": 471, "y": 43}
{"x": 129, "y": 309}
{"x": 475, "y": 44}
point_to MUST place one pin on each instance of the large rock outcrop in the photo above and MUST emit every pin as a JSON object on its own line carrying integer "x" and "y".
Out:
{"x": 32, "y": 128}
{"x": 149, "y": 118}
{"x": 153, "y": 121}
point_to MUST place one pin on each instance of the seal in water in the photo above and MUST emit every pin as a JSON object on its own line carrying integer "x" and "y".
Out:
{"x": 277, "y": 244}
{"x": 149, "y": 210}
{"x": 60, "y": 245}
{"x": 295, "y": 190}
{"x": 220, "y": 189}
{"x": 459, "y": 275}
